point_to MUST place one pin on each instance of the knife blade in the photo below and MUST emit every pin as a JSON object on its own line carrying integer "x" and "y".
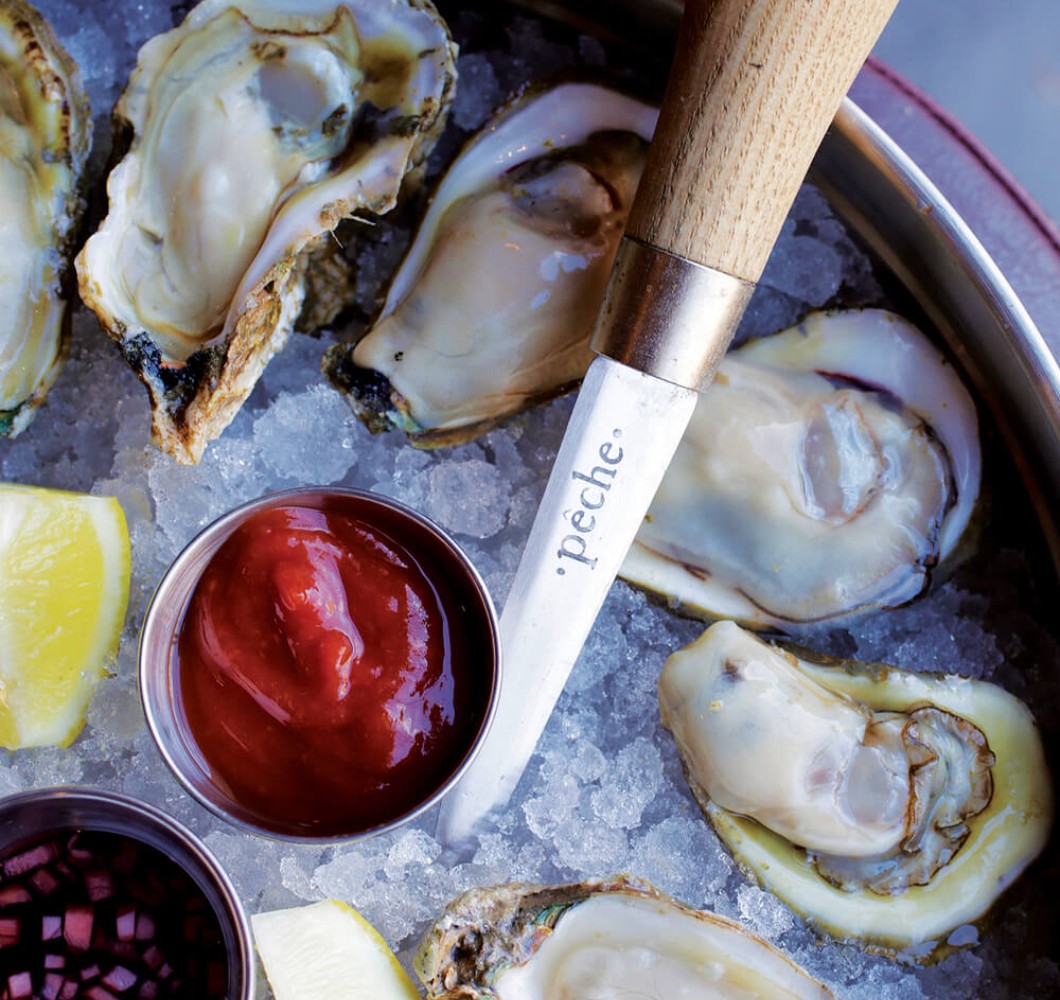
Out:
{"x": 752, "y": 89}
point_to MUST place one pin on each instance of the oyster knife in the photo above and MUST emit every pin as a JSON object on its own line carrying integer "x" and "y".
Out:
{"x": 753, "y": 87}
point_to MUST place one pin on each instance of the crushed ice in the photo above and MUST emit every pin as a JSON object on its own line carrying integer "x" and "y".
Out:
{"x": 604, "y": 792}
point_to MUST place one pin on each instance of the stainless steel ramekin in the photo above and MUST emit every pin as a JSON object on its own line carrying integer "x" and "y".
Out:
{"x": 158, "y": 670}
{"x": 29, "y": 816}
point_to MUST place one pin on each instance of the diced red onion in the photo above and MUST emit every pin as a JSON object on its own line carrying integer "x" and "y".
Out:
{"x": 13, "y": 894}
{"x": 76, "y": 853}
{"x": 154, "y": 958}
{"x": 53, "y": 983}
{"x": 120, "y": 979}
{"x": 35, "y": 857}
{"x": 20, "y": 986}
{"x": 100, "y": 885}
{"x": 44, "y": 881}
{"x": 98, "y": 992}
{"x": 145, "y": 926}
{"x": 10, "y": 931}
{"x": 77, "y": 926}
{"x": 100, "y": 925}
{"x": 126, "y": 923}
{"x": 125, "y": 951}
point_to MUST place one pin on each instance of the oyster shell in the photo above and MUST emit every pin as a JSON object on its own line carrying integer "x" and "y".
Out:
{"x": 827, "y": 471}
{"x": 45, "y": 136}
{"x": 255, "y": 127}
{"x": 492, "y": 308}
{"x": 603, "y": 939}
{"x": 882, "y": 805}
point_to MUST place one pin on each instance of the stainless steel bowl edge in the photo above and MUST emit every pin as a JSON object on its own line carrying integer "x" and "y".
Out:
{"x": 31, "y": 814}
{"x": 158, "y": 681}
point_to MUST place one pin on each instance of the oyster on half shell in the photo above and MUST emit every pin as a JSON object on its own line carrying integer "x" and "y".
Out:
{"x": 605, "y": 939}
{"x": 827, "y": 470}
{"x": 45, "y": 135}
{"x": 254, "y": 128}
{"x": 882, "y": 805}
{"x": 492, "y": 308}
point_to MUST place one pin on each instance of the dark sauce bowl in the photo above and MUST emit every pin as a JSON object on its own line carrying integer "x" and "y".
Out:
{"x": 301, "y": 780}
{"x": 28, "y": 819}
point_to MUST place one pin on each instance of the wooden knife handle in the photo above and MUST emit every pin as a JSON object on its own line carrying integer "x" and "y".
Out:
{"x": 753, "y": 87}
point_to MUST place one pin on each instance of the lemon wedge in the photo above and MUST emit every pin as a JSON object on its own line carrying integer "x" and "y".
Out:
{"x": 328, "y": 949}
{"x": 64, "y": 587}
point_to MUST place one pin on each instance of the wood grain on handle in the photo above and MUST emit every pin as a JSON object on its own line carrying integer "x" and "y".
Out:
{"x": 753, "y": 88}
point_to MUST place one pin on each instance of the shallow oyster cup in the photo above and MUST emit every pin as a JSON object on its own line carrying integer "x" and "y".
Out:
{"x": 32, "y": 815}
{"x": 159, "y": 684}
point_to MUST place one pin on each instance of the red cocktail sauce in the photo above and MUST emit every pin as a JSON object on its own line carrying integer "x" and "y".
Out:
{"x": 326, "y": 669}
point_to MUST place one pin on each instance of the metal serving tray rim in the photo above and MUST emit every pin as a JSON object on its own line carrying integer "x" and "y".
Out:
{"x": 891, "y": 203}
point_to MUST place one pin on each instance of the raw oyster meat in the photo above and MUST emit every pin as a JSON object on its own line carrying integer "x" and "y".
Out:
{"x": 45, "y": 135}
{"x": 255, "y": 127}
{"x": 492, "y": 308}
{"x": 603, "y": 939}
{"x": 882, "y": 805}
{"x": 827, "y": 470}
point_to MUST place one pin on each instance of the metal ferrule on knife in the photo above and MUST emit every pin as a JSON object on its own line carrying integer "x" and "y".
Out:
{"x": 668, "y": 316}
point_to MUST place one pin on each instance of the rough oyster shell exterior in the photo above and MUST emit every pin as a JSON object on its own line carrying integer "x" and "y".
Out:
{"x": 933, "y": 910}
{"x": 491, "y": 937}
{"x": 366, "y": 88}
{"x": 45, "y": 127}
{"x": 491, "y": 310}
